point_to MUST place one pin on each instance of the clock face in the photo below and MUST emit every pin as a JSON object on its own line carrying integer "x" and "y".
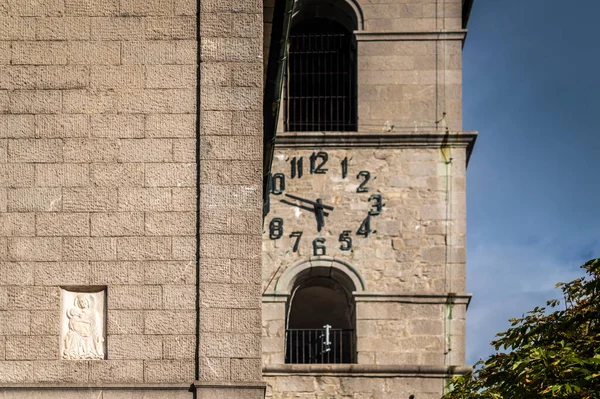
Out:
{"x": 322, "y": 203}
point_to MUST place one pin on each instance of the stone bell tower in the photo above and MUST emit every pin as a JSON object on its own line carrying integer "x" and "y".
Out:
{"x": 364, "y": 239}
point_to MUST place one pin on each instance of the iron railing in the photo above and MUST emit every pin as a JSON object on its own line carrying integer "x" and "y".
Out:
{"x": 323, "y": 346}
{"x": 321, "y": 92}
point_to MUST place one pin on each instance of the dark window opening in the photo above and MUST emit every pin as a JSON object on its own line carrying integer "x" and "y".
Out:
{"x": 321, "y": 85}
{"x": 321, "y": 324}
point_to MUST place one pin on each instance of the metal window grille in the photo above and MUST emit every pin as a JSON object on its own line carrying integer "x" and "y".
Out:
{"x": 321, "y": 86}
{"x": 310, "y": 346}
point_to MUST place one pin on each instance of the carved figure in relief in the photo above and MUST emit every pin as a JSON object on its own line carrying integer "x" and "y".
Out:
{"x": 84, "y": 339}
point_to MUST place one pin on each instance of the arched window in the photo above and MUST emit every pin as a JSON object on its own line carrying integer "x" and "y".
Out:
{"x": 321, "y": 323}
{"x": 321, "y": 82}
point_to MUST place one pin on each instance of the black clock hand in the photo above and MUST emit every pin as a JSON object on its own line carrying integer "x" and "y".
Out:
{"x": 313, "y": 203}
{"x": 301, "y": 206}
{"x": 319, "y": 214}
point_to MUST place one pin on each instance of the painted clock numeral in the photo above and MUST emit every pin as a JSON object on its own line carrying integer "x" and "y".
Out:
{"x": 345, "y": 168}
{"x": 346, "y": 240}
{"x": 278, "y": 184}
{"x": 276, "y": 228}
{"x": 296, "y": 164}
{"x": 365, "y": 228}
{"x": 318, "y": 169}
{"x": 297, "y": 235}
{"x": 377, "y": 206}
{"x": 319, "y": 247}
{"x": 362, "y": 187}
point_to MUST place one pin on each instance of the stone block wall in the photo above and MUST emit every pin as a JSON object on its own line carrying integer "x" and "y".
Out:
{"x": 406, "y": 85}
{"x": 98, "y": 184}
{"x": 231, "y": 90}
{"x": 405, "y": 333}
{"x": 409, "y": 81}
{"x": 410, "y": 15}
{"x": 326, "y": 385}
{"x": 101, "y": 107}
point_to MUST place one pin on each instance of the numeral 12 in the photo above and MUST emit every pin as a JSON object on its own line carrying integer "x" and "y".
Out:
{"x": 318, "y": 169}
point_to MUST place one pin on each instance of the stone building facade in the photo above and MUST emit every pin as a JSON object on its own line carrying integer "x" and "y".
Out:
{"x": 400, "y": 174}
{"x": 133, "y": 258}
{"x": 122, "y": 135}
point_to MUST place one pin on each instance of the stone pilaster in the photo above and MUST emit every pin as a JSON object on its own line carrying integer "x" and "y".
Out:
{"x": 230, "y": 150}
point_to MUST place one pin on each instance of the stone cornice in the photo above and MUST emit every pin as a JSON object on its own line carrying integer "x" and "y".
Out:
{"x": 461, "y": 298}
{"x": 347, "y": 140}
{"x": 272, "y": 296}
{"x": 355, "y": 370}
{"x": 128, "y": 387}
{"x": 230, "y": 384}
{"x": 363, "y": 36}
{"x": 377, "y": 140}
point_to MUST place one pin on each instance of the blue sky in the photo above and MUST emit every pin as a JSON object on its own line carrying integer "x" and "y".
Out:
{"x": 531, "y": 85}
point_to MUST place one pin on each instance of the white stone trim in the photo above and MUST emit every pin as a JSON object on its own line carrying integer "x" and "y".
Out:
{"x": 461, "y": 298}
{"x": 355, "y": 370}
{"x": 409, "y": 36}
{"x": 360, "y": 21}
{"x": 323, "y": 266}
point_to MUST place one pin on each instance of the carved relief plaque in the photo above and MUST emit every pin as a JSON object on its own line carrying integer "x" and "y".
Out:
{"x": 82, "y": 325}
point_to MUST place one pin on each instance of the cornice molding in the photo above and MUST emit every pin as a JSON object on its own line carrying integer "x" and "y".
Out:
{"x": 363, "y": 36}
{"x": 347, "y": 140}
{"x": 199, "y": 385}
{"x": 370, "y": 140}
{"x": 355, "y": 370}
{"x": 461, "y": 298}
{"x": 128, "y": 387}
{"x": 458, "y": 298}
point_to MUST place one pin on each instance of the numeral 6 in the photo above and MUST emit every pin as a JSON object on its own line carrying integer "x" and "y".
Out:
{"x": 319, "y": 247}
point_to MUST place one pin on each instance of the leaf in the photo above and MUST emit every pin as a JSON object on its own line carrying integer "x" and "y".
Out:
{"x": 548, "y": 353}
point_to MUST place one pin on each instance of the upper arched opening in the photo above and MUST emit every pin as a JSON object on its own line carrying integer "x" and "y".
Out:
{"x": 345, "y": 12}
{"x": 321, "y": 89}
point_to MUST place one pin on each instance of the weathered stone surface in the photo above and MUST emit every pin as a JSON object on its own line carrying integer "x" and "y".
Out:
{"x": 168, "y": 370}
{"x": 116, "y": 371}
{"x": 169, "y": 322}
{"x": 125, "y": 322}
{"x": 135, "y": 347}
{"x": 62, "y": 224}
{"x": 179, "y": 347}
{"x": 61, "y": 273}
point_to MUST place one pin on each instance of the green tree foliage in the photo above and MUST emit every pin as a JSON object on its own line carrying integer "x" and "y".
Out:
{"x": 547, "y": 353}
